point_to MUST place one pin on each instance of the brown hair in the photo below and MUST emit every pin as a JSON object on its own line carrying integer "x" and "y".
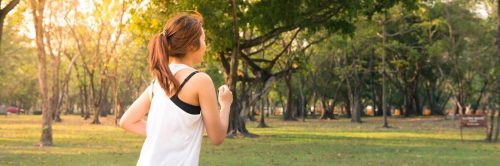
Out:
{"x": 180, "y": 35}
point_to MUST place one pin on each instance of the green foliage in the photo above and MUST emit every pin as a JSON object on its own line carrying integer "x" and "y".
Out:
{"x": 433, "y": 47}
{"x": 18, "y": 70}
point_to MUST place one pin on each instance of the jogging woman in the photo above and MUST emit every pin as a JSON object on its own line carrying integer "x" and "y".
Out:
{"x": 180, "y": 102}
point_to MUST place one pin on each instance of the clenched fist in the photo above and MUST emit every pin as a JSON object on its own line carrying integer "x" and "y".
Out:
{"x": 225, "y": 96}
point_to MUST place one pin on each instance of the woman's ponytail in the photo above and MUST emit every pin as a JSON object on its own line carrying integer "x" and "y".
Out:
{"x": 158, "y": 62}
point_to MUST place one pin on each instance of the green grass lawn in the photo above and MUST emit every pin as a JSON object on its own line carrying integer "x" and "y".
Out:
{"x": 411, "y": 141}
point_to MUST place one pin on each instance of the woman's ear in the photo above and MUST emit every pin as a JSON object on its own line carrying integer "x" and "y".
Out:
{"x": 193, "y": 48}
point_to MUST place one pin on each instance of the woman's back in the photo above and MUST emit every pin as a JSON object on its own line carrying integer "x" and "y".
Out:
{"x": 173, "y": 135}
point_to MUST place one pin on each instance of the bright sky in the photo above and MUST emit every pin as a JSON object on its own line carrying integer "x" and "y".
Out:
{"x": 481, "y": 11}
{"x": 84, "y": 7}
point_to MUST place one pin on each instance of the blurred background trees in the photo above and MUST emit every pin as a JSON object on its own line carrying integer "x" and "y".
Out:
{"x": 294, "y": 60}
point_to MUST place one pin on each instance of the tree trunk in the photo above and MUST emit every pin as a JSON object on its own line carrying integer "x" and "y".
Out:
{"x": 497, "y": 131}
{"x": 296, "y": 110}
{"x": 251, "y": 112}
{"x": 84, "y": 95}
{"x": 489, "y": 130}
{"x": 245, "y": 97}
{"x": 86, "y": 102}
{"x": 262, "y": 123}
{"x": 327, "y": 109}
{"x": 354, "y": 92}
{"x": 81, "y": 102}
{"x": 269, "y": 106}
{"x": 476, "y": 105}
{"x": 313, "y": 113}
{"x": 408, "y": 108}
{"x": 289, "y": 108}
{"x": 347, "y": 105}
{"x": 355, "y": 108}
{"x": 103, "y": 106}
{"x": 97, "y": 113}
{"x": 494, "y": 108}
{"x": 118, "y": 107}
{"x": 416, "y": 99}
{"x": 2, "y": 19}
{"x": 236, "y": 123}
{"x": 116, "y": 94}
{"x": 37, "y": 10}
{"x": 416, "y": 105}
{"x": 302, "y": 99}
{"x": 56, "y": 90}
{"x": 101, "y": 103}
{"x": 383, "y": 106}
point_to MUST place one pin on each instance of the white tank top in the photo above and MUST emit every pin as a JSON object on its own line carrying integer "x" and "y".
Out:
{"x": 173, "y": 137}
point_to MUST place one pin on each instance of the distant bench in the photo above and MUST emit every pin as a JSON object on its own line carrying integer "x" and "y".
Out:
{"x": 472, "y": 121}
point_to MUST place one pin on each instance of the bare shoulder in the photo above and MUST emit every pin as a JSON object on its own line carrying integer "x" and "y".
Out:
{"x": 202, "y": 82}
{"x": 202, "y": 79}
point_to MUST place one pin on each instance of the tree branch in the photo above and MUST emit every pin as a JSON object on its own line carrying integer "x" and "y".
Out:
{"x": 8, "y": 7}
{"x": 263, "y": 48}
{"x": 308, "y": 20}
{"x": 284, "y": 49}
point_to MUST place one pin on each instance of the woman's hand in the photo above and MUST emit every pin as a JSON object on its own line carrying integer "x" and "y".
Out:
{"x": 225, "y": 97}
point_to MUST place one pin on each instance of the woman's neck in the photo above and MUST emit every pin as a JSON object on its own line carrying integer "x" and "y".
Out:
{"x": 185, "y": 61}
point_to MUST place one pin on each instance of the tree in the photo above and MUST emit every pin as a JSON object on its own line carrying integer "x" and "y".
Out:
{"x": 38, "y": 7}
{"x": 496, "y": 74}
{"x": 225, "y": 21}
{"x": 96, "y": 48}
{"x": 18, "y": 67}
{"x": 266, "y": 17}
{"x": 493, "y": 99}
{"x": 3, "y": 13}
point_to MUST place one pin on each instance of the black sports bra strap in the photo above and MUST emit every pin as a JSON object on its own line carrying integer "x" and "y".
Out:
{"x": 184, "y": 82}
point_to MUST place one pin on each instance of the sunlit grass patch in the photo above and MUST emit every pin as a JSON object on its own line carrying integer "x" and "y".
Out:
{"x": 412, "y": 141}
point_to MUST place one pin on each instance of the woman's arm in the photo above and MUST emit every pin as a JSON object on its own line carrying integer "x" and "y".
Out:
{"x": 132, "y": 118}
{"x": 216, "y": 122}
